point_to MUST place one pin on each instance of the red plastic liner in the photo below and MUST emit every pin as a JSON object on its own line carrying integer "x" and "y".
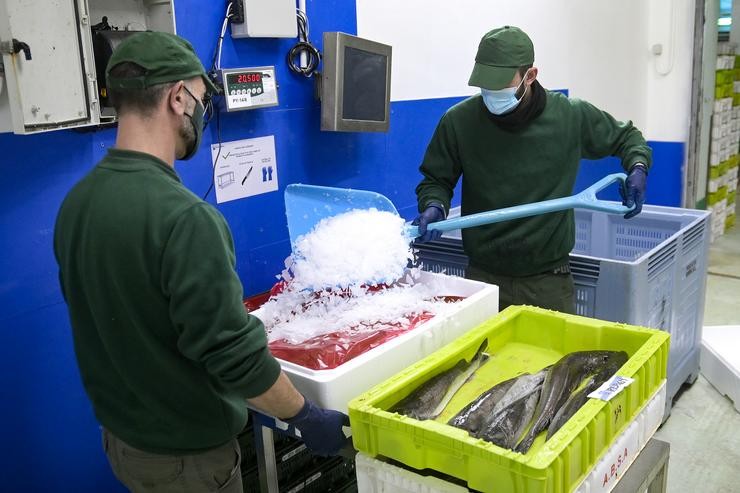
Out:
{"x": 329, "y": 351}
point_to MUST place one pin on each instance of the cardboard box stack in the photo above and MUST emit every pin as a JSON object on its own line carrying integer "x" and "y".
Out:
{"x": 723, "y": 153}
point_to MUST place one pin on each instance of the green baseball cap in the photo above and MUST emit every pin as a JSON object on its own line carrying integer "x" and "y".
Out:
{"x": 165, "y": 57}
{"x": 500, "y": 53}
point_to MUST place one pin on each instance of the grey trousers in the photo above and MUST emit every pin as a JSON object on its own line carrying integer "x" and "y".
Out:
{"x": 214, "y": 470}
{"x": 552, "y": 291}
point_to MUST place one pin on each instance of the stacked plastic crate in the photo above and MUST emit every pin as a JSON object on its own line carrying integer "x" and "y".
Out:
{"x": 723, "y": 158}
{"x": 296, "y": 468}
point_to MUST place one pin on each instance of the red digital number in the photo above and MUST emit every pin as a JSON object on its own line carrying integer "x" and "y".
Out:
{"x": 246, "y": 78}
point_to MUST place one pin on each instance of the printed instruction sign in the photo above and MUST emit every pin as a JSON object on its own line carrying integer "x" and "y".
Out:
{"x": 244, "y": 168}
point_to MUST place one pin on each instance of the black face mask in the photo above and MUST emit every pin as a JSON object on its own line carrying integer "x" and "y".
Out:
{"x": 530, "y": 108}
{"x": 196, "y": 120}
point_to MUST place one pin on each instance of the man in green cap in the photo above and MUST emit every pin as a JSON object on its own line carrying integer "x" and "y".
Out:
{"x": 517, "y": 143}
{"x": 166, "y": 350}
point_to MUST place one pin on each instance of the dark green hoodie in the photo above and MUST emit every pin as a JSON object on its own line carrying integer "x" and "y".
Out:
{"x": 166, "y": 350}
{"x": 502, "y": 168}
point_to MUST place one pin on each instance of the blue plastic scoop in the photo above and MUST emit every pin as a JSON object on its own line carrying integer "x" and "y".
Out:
{"x": 306, "y": 205}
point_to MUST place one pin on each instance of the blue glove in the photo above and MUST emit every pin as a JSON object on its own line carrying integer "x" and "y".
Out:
{"x": 321, "y": 429}
{"x": 633, "y": 191}
{"x": 433, "y": 213}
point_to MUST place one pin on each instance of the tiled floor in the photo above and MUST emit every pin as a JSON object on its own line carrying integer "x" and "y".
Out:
{"x": 704, "y": 428}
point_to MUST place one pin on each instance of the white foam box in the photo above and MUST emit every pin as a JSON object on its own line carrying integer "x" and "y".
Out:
{"x": 716, "y": 131}
{"x": 714, "y": 158}
{"x": 376, "y": 476}
{"x": 715, "y": 146}
{"x": 334, "y": 388}
{"x": 720, "y": 360}
{"x": 726, "y": 104}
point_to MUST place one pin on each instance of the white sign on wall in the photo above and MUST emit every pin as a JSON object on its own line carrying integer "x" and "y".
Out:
{"x": 244, "y": 168}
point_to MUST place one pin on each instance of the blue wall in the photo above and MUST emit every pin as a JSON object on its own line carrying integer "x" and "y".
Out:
{"x": 50, "y": 437}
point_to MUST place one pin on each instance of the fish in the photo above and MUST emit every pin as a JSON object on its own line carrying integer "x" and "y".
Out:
{"x": 580, "y": 395}
{"x": 472, "y": 417}
{"x": 506, "y": 426}
{"x": 431, "y": 398}
{"x": 522, "y": 387}
{"x": 561, "y": 380}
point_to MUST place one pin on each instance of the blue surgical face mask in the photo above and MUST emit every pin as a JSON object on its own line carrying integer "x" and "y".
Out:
{"x": 503, "y": 100}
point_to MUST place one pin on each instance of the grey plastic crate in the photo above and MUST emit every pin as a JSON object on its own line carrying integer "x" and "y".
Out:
{"x": 649, "y": 270}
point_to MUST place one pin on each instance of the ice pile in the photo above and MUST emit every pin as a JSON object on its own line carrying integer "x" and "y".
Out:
{"x": 362, "y": 246}
{"x": 332, "y": 280}
{"x": 299, "y": 315}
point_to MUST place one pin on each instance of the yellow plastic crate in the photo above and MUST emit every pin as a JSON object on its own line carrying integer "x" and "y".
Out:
{"x": 723, "y": 77}
{"x": 730, "y": 221}
{"x": 714, "y": 172}
{"x": 723, "y": 91}
{"x": 718, "y": 196}
{"x": 723, "y": 167}
{"x": 519, "y": 339}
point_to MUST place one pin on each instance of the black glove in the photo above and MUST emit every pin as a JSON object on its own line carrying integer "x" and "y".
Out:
{"x": 321, "y": 429}
{"x": 633, "y": 192}
{"x": 432, "y": 214}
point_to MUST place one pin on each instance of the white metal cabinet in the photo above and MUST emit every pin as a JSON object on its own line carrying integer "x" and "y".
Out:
{"x": 51, "y": 90}
{"x": 57, "y": 87}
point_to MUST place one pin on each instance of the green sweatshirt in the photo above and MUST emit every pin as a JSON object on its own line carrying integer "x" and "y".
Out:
{"x": 501, "y": 168}
{"x": 166, "y": 350}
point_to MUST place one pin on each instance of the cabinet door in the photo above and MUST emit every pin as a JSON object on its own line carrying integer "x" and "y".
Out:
{"x": 50, "y": 90}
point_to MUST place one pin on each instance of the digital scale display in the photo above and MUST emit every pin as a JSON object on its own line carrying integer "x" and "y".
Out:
{"x": 248, "y": 88}
{"x": 245, "y": 83}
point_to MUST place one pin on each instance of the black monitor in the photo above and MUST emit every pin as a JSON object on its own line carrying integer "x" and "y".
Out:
{"x": 355, "y": 84}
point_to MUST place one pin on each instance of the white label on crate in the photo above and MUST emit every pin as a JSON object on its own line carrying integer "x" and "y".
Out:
{"x": 293, "y": 452}
{"x": 611, "y": 388}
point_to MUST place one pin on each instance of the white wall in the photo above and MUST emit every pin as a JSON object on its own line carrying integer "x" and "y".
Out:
{"x": 598, "y": 49}
{"x": 671, "y": 24}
